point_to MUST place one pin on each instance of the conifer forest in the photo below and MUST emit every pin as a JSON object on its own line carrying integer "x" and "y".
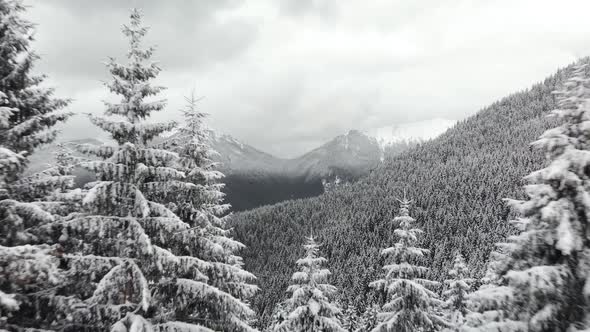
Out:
{"x": 148, "y": 220}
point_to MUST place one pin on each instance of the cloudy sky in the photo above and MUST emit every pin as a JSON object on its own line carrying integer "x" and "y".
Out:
{"x": 288, "y": 75}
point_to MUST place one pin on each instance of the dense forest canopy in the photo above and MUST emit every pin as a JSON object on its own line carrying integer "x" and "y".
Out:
{"x": 457, "y": 182}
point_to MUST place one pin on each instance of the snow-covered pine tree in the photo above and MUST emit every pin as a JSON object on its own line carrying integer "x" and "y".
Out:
{"x": 310, "y": 306}
{"x": 458, "y": 286}
{"x": 27, "y": 270}
{"x": 279, "y": 315}
{"x": 350, "y": 317}
{"x": 545, "y": 285}
{"x": 490, "y": 307}
{"x": 200, "y": 205}
{"x": 410, "y": 304}
{"x": 369, "y": 319}
{"x": 119, "y": 249}
{"x": 28, "y": 113}
{"x": 36, "y": 111}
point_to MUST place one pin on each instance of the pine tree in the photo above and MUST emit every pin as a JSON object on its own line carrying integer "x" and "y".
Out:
{"x": 28, "y": 113}
{"x": 410, "y": 304}
{"x": 27, "y": 119}
{"x": 544, "y": 284}
{"x": 350, "y": 318}
{"x": 310, "y": 307}
{"x": 35, "y": 110}
{"x": 458, "y": 287}
{"x": 279, "y": 315}
{"x": 200, "y": 205}
{"x": 369, "y": 319}
{"x": 122, "y": 268}
{"x": 491, "y": 307}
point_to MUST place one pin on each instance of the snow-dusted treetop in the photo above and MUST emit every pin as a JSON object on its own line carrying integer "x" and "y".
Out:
{"x": 410, "y": 305}
{"x": 310, "y": 307}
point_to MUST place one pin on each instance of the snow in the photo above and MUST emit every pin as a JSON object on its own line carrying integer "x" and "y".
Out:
{"x": 419, "y": 130}
{"x": 8, "y": 302}
{"x": 310, "y": 305}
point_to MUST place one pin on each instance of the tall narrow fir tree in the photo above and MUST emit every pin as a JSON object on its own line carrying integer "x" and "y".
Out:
{"x": 410, "y": 304}
{"x": 29, "y": 270}
{"x": 458, "y": 287}
{"x": 201, "y": 206}
{"x": 120, "y": 256}
{"x": 310, "y": 306}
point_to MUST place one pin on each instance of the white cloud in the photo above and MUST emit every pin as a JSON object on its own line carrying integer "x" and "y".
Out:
{"x": 287, "y": 75}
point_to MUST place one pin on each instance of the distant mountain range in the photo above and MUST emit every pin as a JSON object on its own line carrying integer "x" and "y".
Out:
{"x": 355, "y": 152}
{"x": 255, "y": 178}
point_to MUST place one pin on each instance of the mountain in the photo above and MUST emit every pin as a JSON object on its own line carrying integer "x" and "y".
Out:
{"x": 353, "y": 153}
{"x": 238, "y": 157}
{"x": 255, "y": 178}
{"x": 456, "y": 182}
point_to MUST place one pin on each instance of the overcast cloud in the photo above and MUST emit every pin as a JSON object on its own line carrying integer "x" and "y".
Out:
{"x": 288, "y": 75}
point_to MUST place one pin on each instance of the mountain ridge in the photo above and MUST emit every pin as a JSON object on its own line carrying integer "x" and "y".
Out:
{"x": 255, "y": 178}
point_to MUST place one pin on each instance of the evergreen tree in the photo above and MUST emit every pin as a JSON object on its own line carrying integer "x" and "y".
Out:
{"x": 369, "y": 319}
{"x": 123, "y": 270}
{"x": 350, "y": 318}
{"x": 310, "y": 306}
{"x": 458, "y": 287}
{"x": 279, "y": 315}
{"x": 491, "y": 307}
{"x": 27, "y": 119}
{"x": 28, "y": 113}
{"x": 544, "y": 284}
{"x": 410, "y": 304}
{"x": 200, "y": 205}
{"x": 34, "y": 109}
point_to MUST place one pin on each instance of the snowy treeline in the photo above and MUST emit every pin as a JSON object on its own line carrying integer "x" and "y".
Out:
{"x": 146, "y": 247}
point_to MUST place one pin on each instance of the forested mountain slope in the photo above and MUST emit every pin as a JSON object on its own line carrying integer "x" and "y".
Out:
{"x": 457, "y": 183}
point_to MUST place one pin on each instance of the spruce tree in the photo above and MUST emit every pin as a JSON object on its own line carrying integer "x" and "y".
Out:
{"x": 310, "y": 307}
{"x": 28, "y": 113}
{"x": 350, "y": 318}
{"x": 279, "y": 315}
{"x": 200, "y": 205}
{"x": 123, "y": 271}
{"x": 458, "y": 287}
{"x": 490, "y": 307}
{"x": 369, "y": 319}
{"x": 27, "y": 119}
{"x": 410, "y": 305}
{"x": 543, "y": 283}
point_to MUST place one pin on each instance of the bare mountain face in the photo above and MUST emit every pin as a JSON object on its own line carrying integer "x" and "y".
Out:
{"x": 255, "y": 178}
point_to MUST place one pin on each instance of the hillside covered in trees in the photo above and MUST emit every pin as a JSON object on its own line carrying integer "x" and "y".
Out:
{"x": 486, "y": 228}
{"x": 457, "y": 181}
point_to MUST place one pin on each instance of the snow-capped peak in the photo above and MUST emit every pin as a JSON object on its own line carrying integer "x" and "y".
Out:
{"x": 218, "y": 137}
{"x": 411, "y": 131}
